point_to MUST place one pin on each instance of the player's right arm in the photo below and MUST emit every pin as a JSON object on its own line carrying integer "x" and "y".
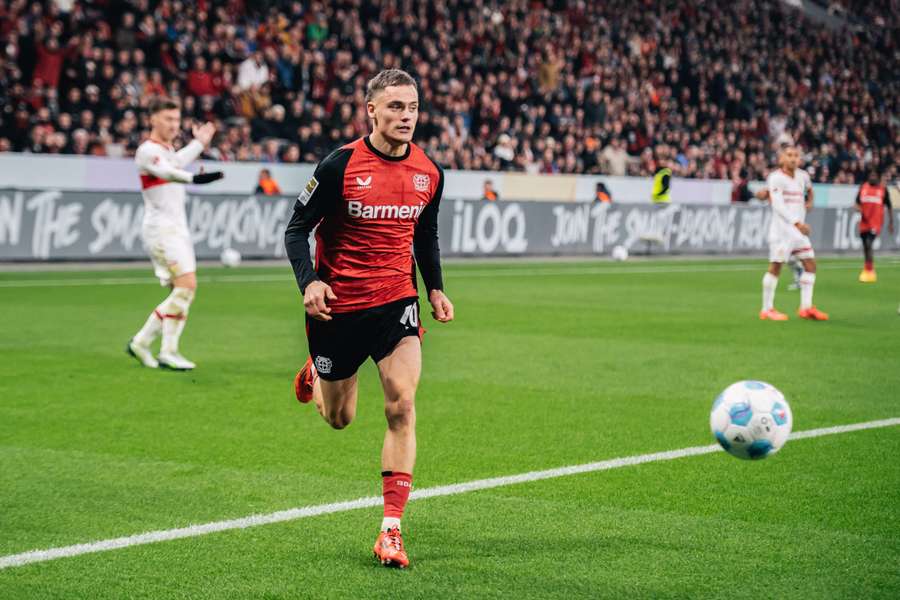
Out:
{"x": 203, "y": 135}
{"x": 317, "y": 200}
{"x": 151, "y": 159}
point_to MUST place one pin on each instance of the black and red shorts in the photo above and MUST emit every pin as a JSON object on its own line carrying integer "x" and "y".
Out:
{"x": 340, "y": 346}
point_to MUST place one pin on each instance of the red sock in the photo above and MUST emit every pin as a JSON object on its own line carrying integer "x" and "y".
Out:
{"x": 396, "y": 487}
{"x": 870, "y": 265}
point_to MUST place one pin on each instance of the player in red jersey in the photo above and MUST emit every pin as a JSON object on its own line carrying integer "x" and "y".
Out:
{"x": 375, "y": 202}
{"x": 872, "y": 201}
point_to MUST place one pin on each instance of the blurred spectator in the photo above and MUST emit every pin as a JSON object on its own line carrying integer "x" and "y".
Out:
{"x": 614, "y": 158}
{"x": 601, "y": 193}
{"x": 740, "y": 189}
{"x": 253, "y": 72}
{"x": 266, "y": 185}
{"x": 200, "y": 81}
{"x": 488, "y": 193}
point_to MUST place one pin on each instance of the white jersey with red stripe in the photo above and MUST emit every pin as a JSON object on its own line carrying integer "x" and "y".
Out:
{"x": 787, "y": 194}
{"x": 162, "y": 184}
{"x": 165, "y": 232}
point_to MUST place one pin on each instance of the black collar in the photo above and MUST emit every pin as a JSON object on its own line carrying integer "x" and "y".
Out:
{"x": 384, "y": 156}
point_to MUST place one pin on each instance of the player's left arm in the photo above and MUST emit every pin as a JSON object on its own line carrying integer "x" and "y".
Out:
{"x": 428, "y": 255}
{"x": 203, "y": 135}
{"x": 809, "y": 196}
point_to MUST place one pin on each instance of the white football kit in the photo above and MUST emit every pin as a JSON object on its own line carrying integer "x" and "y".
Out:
{"x": 788, "y": 198}
{"x": 165, "y": 232}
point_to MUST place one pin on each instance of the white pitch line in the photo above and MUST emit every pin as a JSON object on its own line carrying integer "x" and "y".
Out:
{"x": 151, "y": 537}
{"x": 475, "y": 274}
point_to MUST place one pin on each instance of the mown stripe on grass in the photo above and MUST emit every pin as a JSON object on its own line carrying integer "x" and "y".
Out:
{"x": 24, "y": 558}
{"x": 453, "y": 274}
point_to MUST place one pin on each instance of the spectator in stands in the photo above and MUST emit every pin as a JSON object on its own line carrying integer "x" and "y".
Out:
{"x": 614, "y": 158}
{"x": 253, "y": 72}
{"x": 740, "y": 189}
{"x": 602, "y": 193}
{"x": 488, "y": 192}
{"x": 266, "y": 185}
{"x": 199, "y": 80}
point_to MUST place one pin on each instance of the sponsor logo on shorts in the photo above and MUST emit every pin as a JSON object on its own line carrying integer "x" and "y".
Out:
{"x": 308, "y": 191}
{"x": 421, "y": 181}
{"x": 324, "y": 365}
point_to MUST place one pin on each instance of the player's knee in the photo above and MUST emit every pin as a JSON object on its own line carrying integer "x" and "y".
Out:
{"x": 188, "y": 281}
{"x": 337, "y": 422}
{"x": 401, "y": 410}
{"x": 339, "y": 419}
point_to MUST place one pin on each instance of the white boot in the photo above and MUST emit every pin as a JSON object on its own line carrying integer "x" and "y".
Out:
{"x": 174, "y": 361}
{"x": 142, "y": 354}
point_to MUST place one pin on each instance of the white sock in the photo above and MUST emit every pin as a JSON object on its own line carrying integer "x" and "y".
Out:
{"x": 174, "y": 310}
{"x": 149, "y": 332}
{"x": 389, "y": 523}
{"x": 171, "y": 333}
{"x": 769, "y": 283}
{"x": 807, "y": 282}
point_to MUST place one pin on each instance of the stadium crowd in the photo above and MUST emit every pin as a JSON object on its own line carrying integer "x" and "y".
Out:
{"x": 616, "y": 87}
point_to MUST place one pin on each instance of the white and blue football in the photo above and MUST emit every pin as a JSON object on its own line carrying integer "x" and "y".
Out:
{"x": 751, "y": 419}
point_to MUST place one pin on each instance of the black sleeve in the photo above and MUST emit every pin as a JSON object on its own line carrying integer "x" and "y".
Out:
{"x": 857, "y": 196}
{"x": 425, "y": 240}
{"x": 887, "y": 199}
{"x": 318, "y": 199}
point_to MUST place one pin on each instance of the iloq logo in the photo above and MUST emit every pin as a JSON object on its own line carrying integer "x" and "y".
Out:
{"x": 488, "y": 228}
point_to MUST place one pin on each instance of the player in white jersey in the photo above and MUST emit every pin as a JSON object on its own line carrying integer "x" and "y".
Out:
{"x": 790, "y": 194}
{"x": 165, "y": 230}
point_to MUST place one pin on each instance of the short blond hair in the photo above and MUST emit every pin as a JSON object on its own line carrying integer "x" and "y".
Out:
{"x": 387, "y": 78}
{"x": 162, "y": 103}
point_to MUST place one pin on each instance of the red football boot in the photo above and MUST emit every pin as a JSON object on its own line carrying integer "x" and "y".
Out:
{"x": 304, "y": 381}
{"x": 389, "y": 549}
{"x": 813, "y": 314}
{"x": 772, "y": 315}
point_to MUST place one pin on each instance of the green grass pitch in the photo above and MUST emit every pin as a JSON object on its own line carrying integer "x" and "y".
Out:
{"x": 548, "y": 364}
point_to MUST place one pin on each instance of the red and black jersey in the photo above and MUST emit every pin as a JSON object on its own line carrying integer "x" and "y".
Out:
{"x": 372, "y": 212}
{"x": 872, "y": 200}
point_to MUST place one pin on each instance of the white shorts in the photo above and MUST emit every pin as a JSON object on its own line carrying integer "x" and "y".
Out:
{"x": 172, "y": 256}
{"x": 798, "y": 246}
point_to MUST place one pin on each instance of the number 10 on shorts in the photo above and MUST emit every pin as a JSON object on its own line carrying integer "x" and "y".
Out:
{"x": 410, "y": 316}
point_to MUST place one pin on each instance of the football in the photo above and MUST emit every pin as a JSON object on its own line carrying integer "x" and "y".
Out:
{"x": 230, "y": 257}
{"x": 620, "y": 253}
{"x": 751, "y": 419}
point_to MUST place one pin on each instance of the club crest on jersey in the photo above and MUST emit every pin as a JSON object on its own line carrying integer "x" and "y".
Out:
{"x": 421, "y": 181}
{"x": 364, "y": 184}
{"x": 307, "y": 192}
